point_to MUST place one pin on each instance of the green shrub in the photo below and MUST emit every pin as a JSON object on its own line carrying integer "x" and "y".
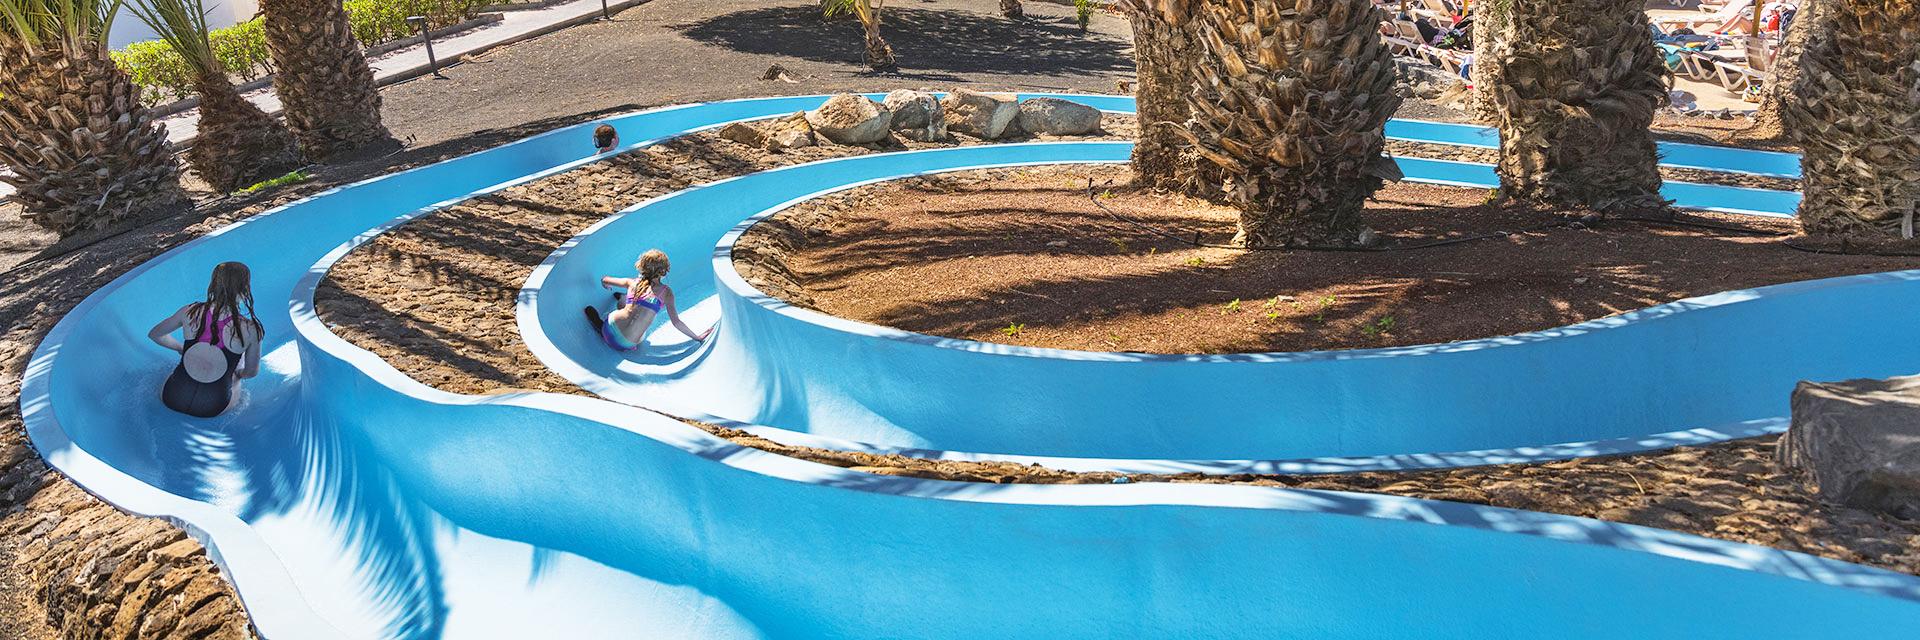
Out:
{"x": 161, "y": 74}
{"x": 242, "y": 48}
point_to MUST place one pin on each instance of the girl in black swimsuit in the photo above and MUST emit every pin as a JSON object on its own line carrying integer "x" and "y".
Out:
{"x": 222, "y": 348}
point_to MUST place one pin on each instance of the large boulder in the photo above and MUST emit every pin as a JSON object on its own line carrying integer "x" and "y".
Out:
{"x": 983, "y": 116}
{"x": 1858, "y": 441}
{"x": 851, "y": 119}
{"x": 1053, "y": 116}
{"x": 917, "y": 115}
{"x": 789, "y": 132}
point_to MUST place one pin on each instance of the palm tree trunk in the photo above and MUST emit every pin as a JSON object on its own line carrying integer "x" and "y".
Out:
{"x": 1786, "y": 68}
{"x": 1479, "y": 103}
{"x": 84, "y": 151}
{"x": 1160, "y": 48}
{"x": 1012, "y": 9}
{"x": 1856, "y": 115}
{"x": 239, "y": 144}
{"x": 331, "y": 103}
{"x": 1291, "y": 108}
{"x": 879, "y": 53}
{"x": 1577, "y": 83}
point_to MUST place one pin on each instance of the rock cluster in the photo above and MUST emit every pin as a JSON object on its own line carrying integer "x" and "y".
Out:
{"x": 921, "y": 116}
{"x": 1859, "y": 442}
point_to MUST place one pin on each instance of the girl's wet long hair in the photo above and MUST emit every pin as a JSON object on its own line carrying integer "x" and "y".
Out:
{"x": 652, "y": 266}
{"x": 229, "y": 294}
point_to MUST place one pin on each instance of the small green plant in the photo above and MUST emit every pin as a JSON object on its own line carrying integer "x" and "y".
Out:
{"x": 1325, "y": 303}
{"x": 1378, "y": 327}
{"x": 1151, "y": 251}
{"x": 1106, "y": 195}
{"x": 1230, "y": 307}
{"x": 1196, "y": 261}
{"x": 1083, "y": 12}
{"x": 1120, "y": 244}
{"x": 1273, "y": 315}
{"x": 1013, "y": 329}
{"x": 295, "y": 177}
{"x": 1493, "y": 195}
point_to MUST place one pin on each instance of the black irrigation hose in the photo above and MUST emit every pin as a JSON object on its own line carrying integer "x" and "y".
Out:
{"x": 1377, "y": 249}
{"x": 1830, "y": 252}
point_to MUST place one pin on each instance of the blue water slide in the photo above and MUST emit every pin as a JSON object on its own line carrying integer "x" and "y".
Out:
{"x": 1679, "y": 155}
{"x": 346, "y": 500}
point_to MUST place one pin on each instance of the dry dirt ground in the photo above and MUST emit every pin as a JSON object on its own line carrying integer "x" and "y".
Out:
{"x": 1027, "y": 257}
{"x": 71, "y": 566}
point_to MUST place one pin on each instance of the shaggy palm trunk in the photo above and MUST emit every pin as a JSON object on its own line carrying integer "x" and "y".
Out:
{"x": 1479, "y": 103}
{"x": 239, "y": 144}
{"x": 1291, "y": 104}
{"x": 1577, "y": 83}
{"x": 1767, "y": 121}
{"x": 1160, "y": 47}
{"x": 323, "y": 80}
{"x": 84, "y": 151}
{"x": 1012, "y": 9}
{"x": 1856, "y": 115}
{"x": 879, "y": 53}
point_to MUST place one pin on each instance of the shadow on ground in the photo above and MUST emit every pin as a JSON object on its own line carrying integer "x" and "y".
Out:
{"x": 941, "y": 40}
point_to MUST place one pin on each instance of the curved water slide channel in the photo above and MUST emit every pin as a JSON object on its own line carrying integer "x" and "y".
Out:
{"x": 347, "y": 500}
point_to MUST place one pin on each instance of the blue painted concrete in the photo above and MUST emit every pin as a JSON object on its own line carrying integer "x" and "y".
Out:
{"x": 348, "y": 501}
{"x": 1679, "y": 155}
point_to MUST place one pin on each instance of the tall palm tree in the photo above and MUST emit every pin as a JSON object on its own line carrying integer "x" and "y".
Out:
{"x": 1577, "y": 83}
{"x": 322, "y": 78}
{"x": 1291, "y": 103}
{"x": 1012, "y": 9}
{"x": 1856, "y": 115}
{"x": 1161, "y": 46}
{"x": 879, "y": 53}
{"x": 1479, "y": 102}
{"x": 238, "y": 144}
{"x": 84, "y": 151}
{"x": 1786, "y": 68}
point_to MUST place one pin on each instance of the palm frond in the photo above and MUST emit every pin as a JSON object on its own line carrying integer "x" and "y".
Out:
{"x": 39, "y": 23}
{"x": 183, "y": 25}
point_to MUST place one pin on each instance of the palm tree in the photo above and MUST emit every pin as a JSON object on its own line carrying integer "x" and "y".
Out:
{"x": 1856, "y": 114}
{"x": 1786, "y": 68}
{"x": 1577, "y": 83}
{"x": 879, "y": 53}
{"x": 1161, "y": 46}
{"x": 84, "y": 151}
{"x": 1290, "y": 108}
{"x": 1479, "y": 103}
{"x": 238, "y": 143}
{"x": 1012, "y": 9}
{"x": 322, "y": 78}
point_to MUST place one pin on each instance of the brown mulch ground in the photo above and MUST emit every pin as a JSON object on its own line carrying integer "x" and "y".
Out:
{"x": 1024, "y": 256}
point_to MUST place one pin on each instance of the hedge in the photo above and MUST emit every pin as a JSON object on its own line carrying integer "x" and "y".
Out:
{"x": 242, "y": 48}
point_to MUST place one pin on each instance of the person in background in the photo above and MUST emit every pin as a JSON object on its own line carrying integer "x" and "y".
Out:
{"x": 605, "y": 138}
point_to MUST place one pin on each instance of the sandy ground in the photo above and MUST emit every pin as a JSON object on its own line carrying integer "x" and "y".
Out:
{"x": 1024, "y": 256}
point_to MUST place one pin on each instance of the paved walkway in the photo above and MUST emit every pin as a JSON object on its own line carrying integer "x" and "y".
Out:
{"x": 411, "y": 62}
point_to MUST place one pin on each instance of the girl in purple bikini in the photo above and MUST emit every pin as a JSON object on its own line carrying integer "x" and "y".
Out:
{"x": 640, "y": 300}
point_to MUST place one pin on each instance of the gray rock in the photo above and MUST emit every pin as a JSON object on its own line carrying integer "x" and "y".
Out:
{"x": 1858, "y": 441}
{"x": 850, "y": 119}
{"x": 790, "y": 132}
{"x": 980, "y": 115}
{"x": 1057, "y": 117}
{"x": 917, "y": 115}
